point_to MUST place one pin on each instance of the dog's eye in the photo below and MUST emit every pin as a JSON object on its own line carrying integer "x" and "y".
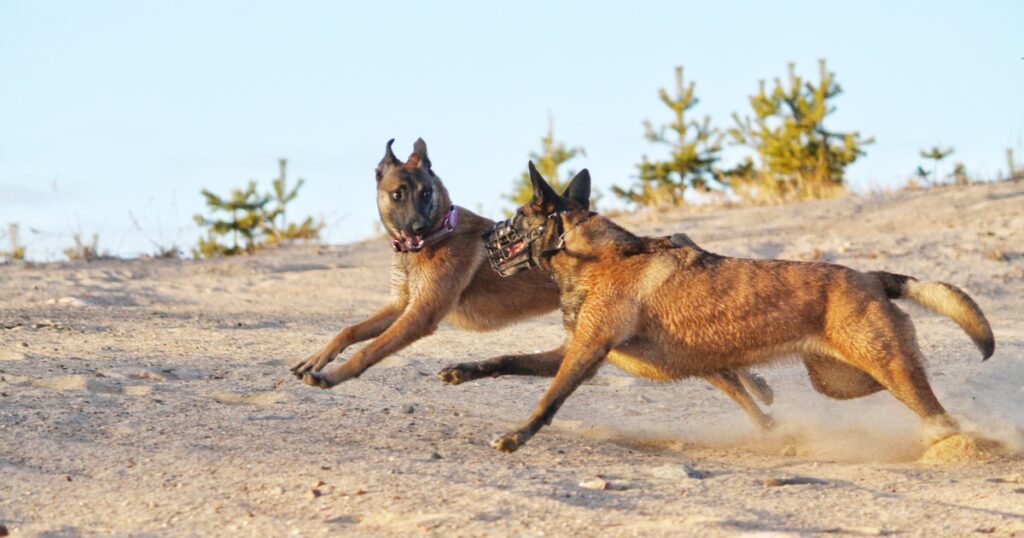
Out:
{"x": 397, "y": 195}
{"x": 426, "y": 194}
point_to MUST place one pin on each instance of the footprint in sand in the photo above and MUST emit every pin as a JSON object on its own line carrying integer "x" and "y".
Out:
{"x": 402, "y": 523}
{"x": 77, "y": 382}
{"x": 81, "y": 382}
{"x": 6, "y": 355}
{"x": 394, "y": 362}
{"x": 258, "y": 398}
{"x": 138, "y": 390}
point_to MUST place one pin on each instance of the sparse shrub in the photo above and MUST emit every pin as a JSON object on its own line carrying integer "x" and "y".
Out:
{"x": 17, "y": 251}
{"x": 959, "y": 174}
{"x": 798, "y": 157}
{"x": 83, "y": 250}
{"x": 249, "y": 221}
{"x": 161, "y": 250}
{"x": 694, "y": 147}
{"x": 549, "y": 160}
{"x": 169, "y": 253}
{"x": 1015, "y": 169}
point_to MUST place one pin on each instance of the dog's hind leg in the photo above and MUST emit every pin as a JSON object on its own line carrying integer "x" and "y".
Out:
{"x": 543, "y": 364}
{"x": 905, "y": 378}
{"x": 756, "y": 385}
{"x": 729, "y": 382}
{"x": 885, "y": 347}
{"x": 837, "y": 380}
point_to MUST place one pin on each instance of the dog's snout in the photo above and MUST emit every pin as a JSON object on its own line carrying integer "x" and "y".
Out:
{"x": 420, "y": 229}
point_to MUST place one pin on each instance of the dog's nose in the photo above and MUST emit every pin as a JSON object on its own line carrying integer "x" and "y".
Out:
{"x": 421, "y": 229}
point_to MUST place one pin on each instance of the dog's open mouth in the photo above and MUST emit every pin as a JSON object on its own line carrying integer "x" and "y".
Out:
{"x": 412, "y": 242}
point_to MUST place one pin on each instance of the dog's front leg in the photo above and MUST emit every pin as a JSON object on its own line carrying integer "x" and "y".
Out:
{"x": 371, "y": 327}
{"x": 584, "y": 354}
{"x": 428, "y": 306}
{"x": 415, "y": 323}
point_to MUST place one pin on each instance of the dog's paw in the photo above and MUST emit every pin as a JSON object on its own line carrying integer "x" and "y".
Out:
{"x": 508, "y": 443}
{"x": 316, "y": 379}
{"x": 453, "y": 375}
{"x": 299, "y": 370}
{"x": 313, "y": 363}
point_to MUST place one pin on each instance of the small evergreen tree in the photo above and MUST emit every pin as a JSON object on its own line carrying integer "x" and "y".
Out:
{"x": 246, "y": 218}
{"x": 936, "y": 154}
{"x": 249, "y": 219}
{"x": 694, "y": 147}
{"x": 285, "y": 231}
{"x": 549, "y": 160}
{"x": 799, "y": 157}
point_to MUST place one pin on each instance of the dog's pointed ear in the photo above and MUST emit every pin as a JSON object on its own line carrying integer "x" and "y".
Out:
{"x": 579, "y": 189}
{"x": 388, "y": 161}
{"x": 419, "y": 155}
{"x": 543, "y": 195}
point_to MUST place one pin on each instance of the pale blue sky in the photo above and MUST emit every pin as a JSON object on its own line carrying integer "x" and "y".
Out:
{"x": 138, "y": 105}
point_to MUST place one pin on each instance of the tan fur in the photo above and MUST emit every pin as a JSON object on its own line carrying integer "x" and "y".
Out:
{"x": 671, "y": 312}
{"x": 451, "y": 280}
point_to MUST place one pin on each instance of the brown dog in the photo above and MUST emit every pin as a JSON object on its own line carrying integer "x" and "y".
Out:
{"x": 667, "y": 312}
{"x": 440, "y": 271}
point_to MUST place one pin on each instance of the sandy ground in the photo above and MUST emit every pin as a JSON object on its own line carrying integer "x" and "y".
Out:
{"x": 152, "y": 397}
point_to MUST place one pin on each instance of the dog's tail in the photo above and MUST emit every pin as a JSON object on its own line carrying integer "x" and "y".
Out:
{"x": 945, "y": 299}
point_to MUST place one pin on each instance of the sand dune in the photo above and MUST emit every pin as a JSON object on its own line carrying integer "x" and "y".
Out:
{"x": 152, "y": 397}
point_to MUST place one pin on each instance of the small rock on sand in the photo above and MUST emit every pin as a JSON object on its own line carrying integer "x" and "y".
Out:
{"x": 597, "y": 484}
{"x": 71, "y": 301}
{"x": 152, "y": 375}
